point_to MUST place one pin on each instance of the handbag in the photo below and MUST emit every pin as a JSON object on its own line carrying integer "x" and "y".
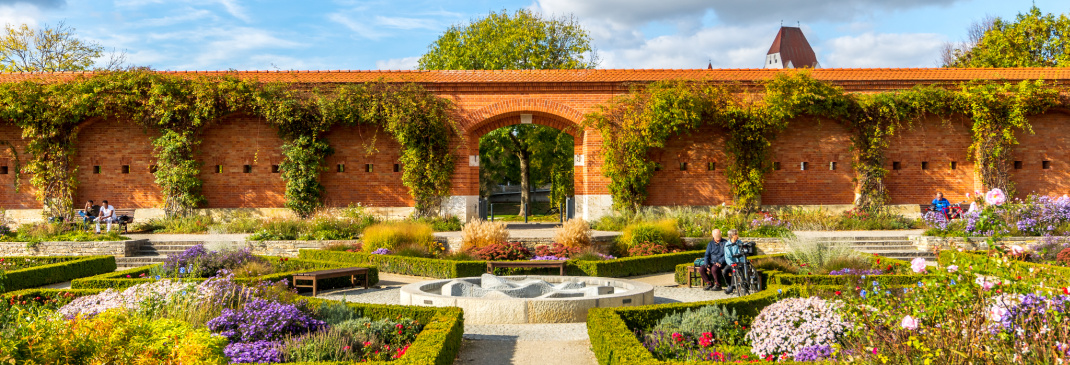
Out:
{"x": 700, "y": 261}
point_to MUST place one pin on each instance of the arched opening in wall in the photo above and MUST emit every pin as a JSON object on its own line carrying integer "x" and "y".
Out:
{"x": 526, "y": 168}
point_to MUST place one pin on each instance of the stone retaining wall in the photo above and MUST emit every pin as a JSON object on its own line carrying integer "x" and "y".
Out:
{"x": 113, "y": 248}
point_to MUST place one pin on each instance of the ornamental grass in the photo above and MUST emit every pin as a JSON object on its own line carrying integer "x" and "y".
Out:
{"x": 395, "y": 235}
{"x": 574, "y": 234}
{"x": 479, "y": 233}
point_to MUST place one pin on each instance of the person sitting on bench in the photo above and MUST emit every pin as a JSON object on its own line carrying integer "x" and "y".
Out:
{"x": 715, "y": 263}
{"x": 107, "y": 215}
{"x": 941, "y": 204}
{"x": 89, "y": 213}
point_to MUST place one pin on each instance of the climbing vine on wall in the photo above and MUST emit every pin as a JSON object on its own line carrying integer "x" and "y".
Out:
{"x": 998, "y": 110}
{"x": 645, "y": 118}
{"x": 176, "y": 109}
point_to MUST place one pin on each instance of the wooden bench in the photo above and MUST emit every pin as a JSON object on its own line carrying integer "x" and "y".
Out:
{"x": 560, "y": 265}
{"x": 925, "y": 207}
{"x": 78, "y": 220}
{"x": 315, "y": 276}
{"x": 693, "y": 272}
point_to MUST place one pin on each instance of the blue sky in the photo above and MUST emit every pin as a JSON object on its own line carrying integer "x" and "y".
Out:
{"x": 348, "y": 34}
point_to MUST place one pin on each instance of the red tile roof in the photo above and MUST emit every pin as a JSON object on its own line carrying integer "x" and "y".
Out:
{"x": 792, "y": 46}
{"x": 906, "y": 75}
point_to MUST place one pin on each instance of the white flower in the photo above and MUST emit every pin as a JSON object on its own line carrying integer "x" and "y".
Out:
{"x": 953, "y": 268}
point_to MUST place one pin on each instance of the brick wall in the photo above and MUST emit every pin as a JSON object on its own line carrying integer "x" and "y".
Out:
{"x": 354, "y": 149}
{"x": 9, "y": 199}
{"x": 234, "y": 143}
{"x": 937, "y": 143}
{"x": 698, "y": 184}
{"x": 817, "y": 142}
{"x": 1048, "y": 143}
{"x": 113, "y": 162}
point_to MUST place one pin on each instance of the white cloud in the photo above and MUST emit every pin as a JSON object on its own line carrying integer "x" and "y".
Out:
{"x": 407, "y": 63}
{"x": 230, "y": 43}
{"x": 406, "y": 23}
{"x": 232, "y": 7}
{"x": 884, "y": 50}
{"x": 361, "y": 29}
{"x": 723, "y": 46}
{"x": 639, "y": 12}
{"x": 38, "y": 3}
{"x": 19, "y": 13}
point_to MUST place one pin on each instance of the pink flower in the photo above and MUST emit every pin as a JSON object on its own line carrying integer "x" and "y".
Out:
{"x": 918, "y": 265}
{"x": 995, "y": 197}
{"x": 953, "y": 268}
{"x": 1017, "y": 250}
{"x": 909, "y": 323}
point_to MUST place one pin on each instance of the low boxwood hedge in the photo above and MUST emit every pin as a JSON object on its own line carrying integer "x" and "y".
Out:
{"x": 438, "y": 343}
{"x": 415, "y": 266}
{"x": 66, "y": 268}
{"x": 131, "y": 277}
{"x": 791, "y": 279}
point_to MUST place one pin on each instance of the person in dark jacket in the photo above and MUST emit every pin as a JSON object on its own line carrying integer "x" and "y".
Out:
{"x": 715, "y": 263}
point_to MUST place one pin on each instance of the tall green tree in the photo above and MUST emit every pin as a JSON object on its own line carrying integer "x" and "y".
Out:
{"x": 1032, "y": 39}
{"x": 51, "y": 49}
{"x": 523, "y": 40}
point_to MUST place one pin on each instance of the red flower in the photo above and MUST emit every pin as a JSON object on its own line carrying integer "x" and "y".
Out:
{"x": 837, "y": 292}
{"x": 399, "y": 332}
{"x": 128, "y": 276}
{"x": 858, "y": 288}
{"x": 878, "y": 261}
{"x": 1066, "y": 291}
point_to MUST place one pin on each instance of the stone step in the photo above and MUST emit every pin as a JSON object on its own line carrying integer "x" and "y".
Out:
{"x": 860, "y": 238}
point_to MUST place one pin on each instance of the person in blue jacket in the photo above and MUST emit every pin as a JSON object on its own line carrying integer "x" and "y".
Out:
{"x": 731, "y": 250}
{"x": 941, "y": 205}
{"x": 715, "y": 263}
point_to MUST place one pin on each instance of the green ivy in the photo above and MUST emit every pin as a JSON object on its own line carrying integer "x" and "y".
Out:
{"x": 645, "y": 118}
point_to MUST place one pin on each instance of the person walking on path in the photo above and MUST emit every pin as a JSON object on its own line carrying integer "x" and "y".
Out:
{"x": 715, "y": 263}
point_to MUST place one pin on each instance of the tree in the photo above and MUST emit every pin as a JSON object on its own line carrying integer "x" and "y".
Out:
{"x": 1033, "y": 39}
{"x": 527, "y": 154}
{"x": 521, "y": 41}
{"x": 23, "y": 49}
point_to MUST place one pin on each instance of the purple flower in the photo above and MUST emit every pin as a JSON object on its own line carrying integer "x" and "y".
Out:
{"x": 850, "y": 271}
{"x": 549, "y": 258}
{"x": 814, "y": 353}
{"x": 253, "y": 352}
{"x": 261, "y": 320}
{"x": 381, "y": 251}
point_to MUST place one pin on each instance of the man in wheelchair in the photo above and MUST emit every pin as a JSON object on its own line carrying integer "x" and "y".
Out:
{"x": 735, "y": 254}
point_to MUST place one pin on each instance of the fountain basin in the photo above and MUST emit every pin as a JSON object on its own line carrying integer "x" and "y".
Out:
{"x": 497, "y": 307}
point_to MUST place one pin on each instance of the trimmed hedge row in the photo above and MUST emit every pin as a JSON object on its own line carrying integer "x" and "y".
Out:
{"x": 131, "y": 277}
{"x": 447, "y": 269}
{"x": 415, "y": 266}
{"x": 66, "y": 270}
{"x": 438, "y": 343}
{"x": 1053, "y": 276}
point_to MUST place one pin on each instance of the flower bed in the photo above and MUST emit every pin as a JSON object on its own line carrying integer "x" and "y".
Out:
{"x": 236, "y": 334}
{"x": 1016, "y": 310}
{"x": 144, "y": 274}
{"x": 31, "y": 272}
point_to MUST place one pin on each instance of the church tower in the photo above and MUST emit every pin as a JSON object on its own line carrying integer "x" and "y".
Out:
{"x": 790, "y": 50}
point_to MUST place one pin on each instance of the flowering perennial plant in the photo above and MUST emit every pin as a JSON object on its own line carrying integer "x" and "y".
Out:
{"x": 262, "y": 320}
{"x": 790, "y": 325}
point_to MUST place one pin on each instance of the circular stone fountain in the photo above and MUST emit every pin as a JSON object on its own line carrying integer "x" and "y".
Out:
{"x": 527, "y": 299}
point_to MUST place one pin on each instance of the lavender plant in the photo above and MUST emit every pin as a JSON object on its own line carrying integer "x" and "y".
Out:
{"x": 263, "y": 320}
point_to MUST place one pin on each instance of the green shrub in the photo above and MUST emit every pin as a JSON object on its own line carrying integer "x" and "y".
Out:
{"x": 434, "y": 268}
{"x": 139, "y": 275}
{"x": 711, "y": 318}
{"x": 34, "y": 233}
{"x": 329, "y": 345}
{"x": 176, "y": 224}
{"x": 393, "y": 235}
{"x": 64, "y": 269}
{"x": 440, "y": 224}
{"x": 662, "y": 232}
{"x": 812, "y": 255}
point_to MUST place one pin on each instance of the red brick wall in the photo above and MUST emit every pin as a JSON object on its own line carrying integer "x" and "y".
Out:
{"x": 111, "y": 145}
{"x": 234, "y": 142}
{"x": 697, "y": 185}
{"x": 1048, "y": 143}
{"x": 9, "y": 199}
{"x": 354, "y": 147}
{"x": 938, "y": 143}
{"x": 817, "y": 142}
